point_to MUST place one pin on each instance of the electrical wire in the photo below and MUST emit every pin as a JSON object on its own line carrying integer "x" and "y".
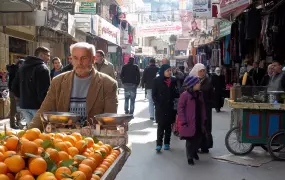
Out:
{"x": 147, "y": 12}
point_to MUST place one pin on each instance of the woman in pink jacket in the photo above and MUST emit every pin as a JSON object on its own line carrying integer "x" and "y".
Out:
{"x": 192, "y": 117}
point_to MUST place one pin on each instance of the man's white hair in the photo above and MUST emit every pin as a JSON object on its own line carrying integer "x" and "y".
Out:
{"x": 84, "y": 45}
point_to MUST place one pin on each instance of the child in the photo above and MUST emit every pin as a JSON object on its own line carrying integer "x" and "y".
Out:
{"x": 192, "y": 117}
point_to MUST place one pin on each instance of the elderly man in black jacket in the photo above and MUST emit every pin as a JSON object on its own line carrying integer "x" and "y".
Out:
{"x": 147, "y": 82}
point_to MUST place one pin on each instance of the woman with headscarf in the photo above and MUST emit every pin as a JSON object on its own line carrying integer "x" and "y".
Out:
{"x": 219, "y": 85}
{"x": 199, "y": 70}
{"x": 164, "y": 92}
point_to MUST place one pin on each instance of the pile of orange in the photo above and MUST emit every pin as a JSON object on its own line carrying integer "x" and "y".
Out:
{"x": 32, "y": 155}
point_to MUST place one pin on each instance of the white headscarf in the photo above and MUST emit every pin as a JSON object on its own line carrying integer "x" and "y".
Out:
{"x": 218, "y": 71}
{"x": 198, "y": 67}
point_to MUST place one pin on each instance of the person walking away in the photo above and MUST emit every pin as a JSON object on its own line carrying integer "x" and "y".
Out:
{"x": 277, "y": 81}
{"x": 32, "y": 82}
{"x": 199, "y": 70}
{"x": 219, "y": 85}
{"x": 192, "y": 117}
{"x": 69, "y": 67}
{"x": 12, "y": 70}
{"x": 57, "y": 67}
{"x": 147, "y": 82}
{"x": 104, "y": 66}
{"x": 267, "y": 77}
{"x": 164, "y": 91}
{"x": 179, "y": 78}
{"x": 130, "y": 76}
{"x": 257, "y": 73}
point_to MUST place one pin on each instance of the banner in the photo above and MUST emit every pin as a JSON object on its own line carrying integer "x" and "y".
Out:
{"x": 57, "y": 19}
{"x": 230, "y": 6}
{"x": 160, "y": 29}
{"x": 67, "y": 5}
{"x": 202, "y": 8}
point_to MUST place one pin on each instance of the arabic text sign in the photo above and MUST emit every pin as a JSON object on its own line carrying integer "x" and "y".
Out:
{"x": 229, "y": 6}
{"x": 57, "y": 19}
{"x": 108, "y": 31}
{"x": 160, "y": 29}
{"x": 202, "y": 8}
{"x": 67, "y": 5}
{"x": 87, "y": 7}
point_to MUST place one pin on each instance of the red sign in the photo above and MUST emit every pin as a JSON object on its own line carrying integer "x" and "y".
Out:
{"x": 230, "y": 6}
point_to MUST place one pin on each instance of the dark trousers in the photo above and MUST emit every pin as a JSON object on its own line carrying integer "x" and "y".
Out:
{"x": 192, "y": 145}
{"x": 130, "y": 97}
{"x": 163, "y": 130}
{"x": 14, "y": 116}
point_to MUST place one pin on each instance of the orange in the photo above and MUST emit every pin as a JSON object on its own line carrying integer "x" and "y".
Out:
{"x": 105, "y": 167}
{"x": 39, "y": 142}
{"x": 9, "y": 154}
{"x": 70, "y": 139}
{"x": 44, "y": 136}
{"x": 66, "y": 179}
{"x": 4, "y": 177}
{"x": 90, "y": 163}
{"x": 40, "y": 150}
{"x": 90, "y": 142}
{"x": 95, "y": 177}
{"x": 3, "y": 168}
{"x": 77, "y": 136}
{"x": 117, "y": 152}
{"x": 3, "y": 149}
{"x": 96, "y": 146}
{"x": 57, "y": 140}
{"x": 79, "y": 175}
{"x": 68, "y": 144}
{"x": 12, "y": 143}
{"x": 9, "y": 133}
{"x": 29, "y": 147}
{"x": 2, "y": 157}
{"x": 81, "y": 145}
{"x": 109, "y": 147}
{"x": 109, "y": 160}
{"x": 63, "y": 155}
{"x": 37, "y": 166}
{"x": 50, "y": 178}
{"x": 22, "y": 173}
{"x": 73, "y": 151}
{"x": 36, "y": 130}
{"x": 32, "y": 134}
{"x": 59, "y": 174}
{"x": 100, "y": 171}
{"x": 108, "y": 151}
{"x": 97, "y": 156}
{"x": 86, "y": 170}
{"x": 103, "y": 150}
{"x": 59, "y": 136}
{"x": 11, "y": 176}
{"x": 100, "y": 143}
{"x": 86, "y": 154}
{"x": 112, "y": 157}
{"x": 15, "y": 163}
{"x": 53, "y": 154}
{"x": 61, "y": 146}
{"x": 107, "y": 163}
{"x": 45, "y": 176}
{"x": 26, "y": 177}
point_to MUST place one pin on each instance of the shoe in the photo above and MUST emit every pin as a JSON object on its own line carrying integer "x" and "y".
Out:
{"x": 196, "y": 157}
{"x": 166, "y": 147}
{"x": 151, "y": 118}
{"x": 158, "y": 148}
{"x": 191, "y": 162}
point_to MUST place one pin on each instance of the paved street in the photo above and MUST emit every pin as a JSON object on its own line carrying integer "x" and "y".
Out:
{"x": 144, "y": 163}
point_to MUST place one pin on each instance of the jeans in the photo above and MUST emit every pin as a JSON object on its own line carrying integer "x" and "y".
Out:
{"x": 29, "y": 114}
{"x": 150, "y": 103}
{"x": 163, "y": 131}
{"x": 130, "y": 95}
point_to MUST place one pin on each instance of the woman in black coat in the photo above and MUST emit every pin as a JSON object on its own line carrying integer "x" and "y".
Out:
{"x": 164, "y": 92}
{"x": 219, "y": 85}
{"x": 199, "y": 70}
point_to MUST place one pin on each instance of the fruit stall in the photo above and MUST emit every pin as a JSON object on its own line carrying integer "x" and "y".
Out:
{"x": 66, "y": 152}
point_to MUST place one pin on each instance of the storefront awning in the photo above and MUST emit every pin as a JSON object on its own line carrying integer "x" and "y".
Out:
{"x": 35, "y": 18}
{"x": 16, "y": 6}
{"x": 182, "y": 44}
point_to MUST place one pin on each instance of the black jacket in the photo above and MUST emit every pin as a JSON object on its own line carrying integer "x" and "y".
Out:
{"x": 31, "y": 83}
{"x": 12, "y": 70}
{"x": 69, "y": 67}
{"x": 52, "y": 72}
{"x": 148, "y": 75}
{"x": 130, "y": 74}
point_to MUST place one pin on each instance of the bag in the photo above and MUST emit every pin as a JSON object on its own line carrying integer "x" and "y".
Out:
{"x": 207, "y": 141}
{"x": 176, "y": 127}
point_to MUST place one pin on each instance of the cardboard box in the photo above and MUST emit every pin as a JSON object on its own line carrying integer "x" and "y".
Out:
{"x": 4, "y": 108}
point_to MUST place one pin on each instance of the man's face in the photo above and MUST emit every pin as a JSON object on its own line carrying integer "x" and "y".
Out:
{"x": 277, "y": 68}
{"x": 45, "y": 57}
{"x": 70, "y": 59}
{"x": 56, "y": 64}
{"x": 167, "y": 73}
{"x": 82, "y": 61}
{"x": 99, "y": 58}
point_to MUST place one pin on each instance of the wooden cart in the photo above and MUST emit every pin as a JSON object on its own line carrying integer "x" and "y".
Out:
{"x": 256, "y": 124}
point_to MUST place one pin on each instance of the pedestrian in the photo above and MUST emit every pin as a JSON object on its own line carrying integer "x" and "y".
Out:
{"x": 68, "y": 67}
{"x": 219, "y": 85}
{"x": 57, "y": 67}
{"x": 12, "y": 70}
{"x": 104, "y": 66}
{"x": 192, "y": 117}
{"x": 199, "y": 70}
{"x": 266, "y": 78}
{"x": 130, "y": 76}
{"x": 164, "y": 91}
{"x": 32, "y": 82}
{"x": 147, "y": 82}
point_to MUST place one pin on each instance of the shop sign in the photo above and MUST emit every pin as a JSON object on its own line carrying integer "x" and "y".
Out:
{"x": 93, "y": 1}
{"x": 67, "y": 5}
{"x": 57, "y": 18}
{"x": 202, "y": 8}
{"x": 108, "y": 31}
{"x": 230, "y": 6}
{"x": 83, "y": 22}
{"x": 160, "y": 29}
{"x": 87, "y": 7}
{"x": 224, "y": 28}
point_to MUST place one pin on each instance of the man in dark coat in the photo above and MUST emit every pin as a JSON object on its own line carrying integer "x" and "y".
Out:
{"x": 257, "y": 74}
{"x": 219, "y": 84}
{"x": 69, "y": 67}
{"x": 32, "y": 82}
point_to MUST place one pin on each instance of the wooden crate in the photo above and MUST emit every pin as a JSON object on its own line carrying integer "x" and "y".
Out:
{"x": 4, "y": 108}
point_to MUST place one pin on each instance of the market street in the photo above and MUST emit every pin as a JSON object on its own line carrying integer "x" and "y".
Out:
{"x": 144, "y": 163}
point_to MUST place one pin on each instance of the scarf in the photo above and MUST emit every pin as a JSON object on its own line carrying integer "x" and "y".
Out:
{"x": 167, "y": 81}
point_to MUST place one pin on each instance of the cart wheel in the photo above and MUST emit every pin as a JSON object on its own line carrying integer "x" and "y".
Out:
{"x": 234, "y": 145}
{"x": 276, "y": 145}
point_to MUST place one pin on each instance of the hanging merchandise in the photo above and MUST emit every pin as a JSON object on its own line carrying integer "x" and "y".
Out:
{"x": 252, "y": 23}
{"x": 226, "y": 50}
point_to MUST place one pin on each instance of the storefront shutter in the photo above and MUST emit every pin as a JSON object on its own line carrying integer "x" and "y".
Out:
{"x": 4, "y": 51}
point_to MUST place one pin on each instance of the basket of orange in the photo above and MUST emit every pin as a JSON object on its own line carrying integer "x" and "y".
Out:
{"x": 32, "y": 155}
